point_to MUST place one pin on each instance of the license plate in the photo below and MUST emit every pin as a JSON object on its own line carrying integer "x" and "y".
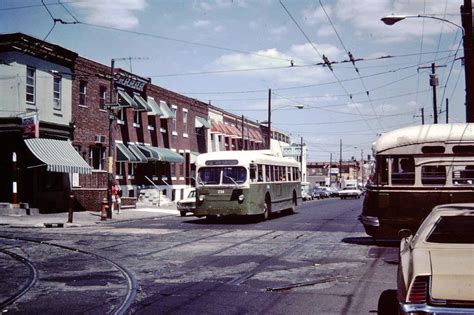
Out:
{"x": 221, "y": 191}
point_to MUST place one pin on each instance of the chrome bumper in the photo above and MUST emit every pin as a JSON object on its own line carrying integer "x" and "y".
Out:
{"x": 424, "y": 308}
{"x": 371, "y": 221}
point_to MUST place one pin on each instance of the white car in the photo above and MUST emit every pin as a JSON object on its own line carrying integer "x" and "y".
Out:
{"x": 436, "y": 268}
{"x": 188, "y": 204}
{"x": 350, "y": 192}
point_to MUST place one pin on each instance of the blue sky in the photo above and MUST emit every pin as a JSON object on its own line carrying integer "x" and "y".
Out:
{"x": 230, "y": 52}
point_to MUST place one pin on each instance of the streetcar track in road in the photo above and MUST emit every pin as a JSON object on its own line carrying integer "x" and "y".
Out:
{"x": 132, "y": 286}
{"x": 32, "y": 279}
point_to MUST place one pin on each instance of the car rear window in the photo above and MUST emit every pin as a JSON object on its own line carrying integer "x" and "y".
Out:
{"x": 453, "y": 229}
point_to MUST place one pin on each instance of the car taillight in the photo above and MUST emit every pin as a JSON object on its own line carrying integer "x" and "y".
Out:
{"x": 419, "y": 290}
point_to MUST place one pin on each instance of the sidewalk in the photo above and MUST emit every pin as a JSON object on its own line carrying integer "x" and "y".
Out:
{"x": 83, "y": 218}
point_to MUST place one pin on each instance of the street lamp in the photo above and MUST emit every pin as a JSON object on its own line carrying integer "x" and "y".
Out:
{"x": 392, "y": 19}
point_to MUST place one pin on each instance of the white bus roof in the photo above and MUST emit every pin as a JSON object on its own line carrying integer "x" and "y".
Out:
{"x": 424, "y": 134}
{"x": 246, "y": 157}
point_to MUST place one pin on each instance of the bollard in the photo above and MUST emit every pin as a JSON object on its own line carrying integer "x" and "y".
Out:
{"x": 104, "y": 209}
{"x": 71, "y": 209}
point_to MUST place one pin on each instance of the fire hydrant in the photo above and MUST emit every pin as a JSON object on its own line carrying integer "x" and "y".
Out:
{"x": 103, "y": 210}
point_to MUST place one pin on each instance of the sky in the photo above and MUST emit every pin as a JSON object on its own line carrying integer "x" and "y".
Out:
{"x": 231, "y": 52}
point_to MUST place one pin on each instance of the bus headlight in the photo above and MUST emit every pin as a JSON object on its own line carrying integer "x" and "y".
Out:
{"x": 241, "y": 197}
{"x": 201, "y": 198}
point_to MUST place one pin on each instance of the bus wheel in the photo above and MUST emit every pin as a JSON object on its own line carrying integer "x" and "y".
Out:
{"x": 293, "y": 205}
{"x": 182, "y": 213}
{"x": 211, "y": 218}
{"x": 267, "y": 208}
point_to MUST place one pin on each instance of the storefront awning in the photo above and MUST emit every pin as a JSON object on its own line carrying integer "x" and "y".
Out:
{"x": 166, "y": 155}
{"x": 216, "y": 127}
{"x": 201, "y": 122}
{"x": 193, "y": 157}
{"x": 58, "y": 155}
{"x": 155, "y": 108}
{"x": 142, "y": 104}
{"x": 126, "y": 100}
{"x": 232, "y": 131}
{"x": 138, "y": 154}
{"x": 167, "y": 112}
{"x": 124, "y": 154}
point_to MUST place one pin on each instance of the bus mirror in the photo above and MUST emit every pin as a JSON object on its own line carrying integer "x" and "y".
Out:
{"x": 404, "y": 233}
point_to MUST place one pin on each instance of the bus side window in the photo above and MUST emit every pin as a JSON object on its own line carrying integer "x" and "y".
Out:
{"x": 259, "y": 173}
{"x": 403, "y": 171}
{"x": 463, "y": 175}
{"x": 253, "y": 173}
{"x": 433, "y": 175}
{"x": 382, "y": 171}
{"x": 268, "y": 173}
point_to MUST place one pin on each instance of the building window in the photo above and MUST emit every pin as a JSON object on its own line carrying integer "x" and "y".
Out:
{"x": 83, "y": 93}
{"x": 173, "y": 169}
{"x": 102, "y": 97}
{"x": 131, "y": 170}
{"x": 119, "y": 169}
{"x": 30, "y": 85}
{"x": 137, "y": 118}
{"x": 97, "y": 157}
{"x": 174, "y": 124}
{"x": 181, "y": 167}
{"x": 185, "y": 122}
{"x": 57, "y": 92}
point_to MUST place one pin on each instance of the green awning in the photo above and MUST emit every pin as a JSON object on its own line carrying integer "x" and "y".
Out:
{"x": 193, "y": 156}
{"x": 148, "y": 152}
{"x": 58, "y": 156}
{"x": 167, "y": 112}
{"x": 126, "y": 100}
{"x": 141, "y": 103}
{"x": 155, "y": 108}
{"x": 201, "y": 122}
{"x": 166, "y": 155}
{"x": 124, "y": 154}
{"x": 138, "y": 154}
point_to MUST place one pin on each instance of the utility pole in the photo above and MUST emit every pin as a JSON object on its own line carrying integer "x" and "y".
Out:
{"x": 243, "y": 133}
{"x": 301, "y": 160}
{"x": 110, "y": 151}
{"x": 434, "y": 82}
{"x": 447, "y": 111}
{"x": 269, "y": 120}
{"x": 340, "y": 163}
{"x": 466, "y": 19}
{"x": 422, "y": 116}
{"x": 329, "y": 169}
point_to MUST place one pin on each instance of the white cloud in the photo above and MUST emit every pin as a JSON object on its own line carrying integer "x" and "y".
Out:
{"x": 218, "y": 4}
{"x": 316, "y": 16}
{"x": 114, "y": 13}
{"x": 201, "y": 23}
{"x": 279, "y": 30}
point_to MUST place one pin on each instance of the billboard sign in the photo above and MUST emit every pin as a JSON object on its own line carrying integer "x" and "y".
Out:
{"x": 30, "y": 126}
{"x": 291, "y": 151}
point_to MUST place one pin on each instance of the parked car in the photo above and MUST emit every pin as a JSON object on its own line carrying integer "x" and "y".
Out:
{"x": 325, "y": 192}
{"x": 436, "y": 271}
{"x": 188, "y": 204}
{"x": 306, "y": 195}
{"x": 334, "y": 192}
{"x": 350, "y": 192}
{"x": 316, "y": 193}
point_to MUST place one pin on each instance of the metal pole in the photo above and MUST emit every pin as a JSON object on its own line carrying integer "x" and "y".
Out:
{"x": 340, "y": 163}
{"x": 434, "y": 83}
{"x": 466, "y": 19}
{"x": 422, "y": 116}
{"x": 329, "y": 171}
{"x": 243, "y": 133}
{"x": 447, "y": 111}
{"x": 269, "y": 120}
{"x": 301, "y": 160}
{"x": 362, "y": 166}
{"x": 14, "y": 184}
{"x": 110, "y": 157}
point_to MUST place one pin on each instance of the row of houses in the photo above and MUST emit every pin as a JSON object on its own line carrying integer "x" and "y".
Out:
{"x": 70, "y": 127}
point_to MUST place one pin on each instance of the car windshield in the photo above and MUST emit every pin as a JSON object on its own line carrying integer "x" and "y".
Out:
{"x": 192, "y": 194}
{"x": 453, "y": 229}
{"x": 231, "y": 175}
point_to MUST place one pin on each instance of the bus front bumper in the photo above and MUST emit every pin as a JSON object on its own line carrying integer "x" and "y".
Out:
{"x": 369, "y": 221}
{"x": 431, "y": 309}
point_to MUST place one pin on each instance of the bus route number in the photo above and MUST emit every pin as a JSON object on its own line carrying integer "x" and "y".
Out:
{"x": 221, "y": 191}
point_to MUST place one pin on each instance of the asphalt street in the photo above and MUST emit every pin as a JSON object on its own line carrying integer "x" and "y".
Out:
{"x": 316, "y": 261}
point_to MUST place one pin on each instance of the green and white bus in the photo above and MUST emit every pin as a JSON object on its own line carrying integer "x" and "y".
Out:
{"x": 245, "y": 183}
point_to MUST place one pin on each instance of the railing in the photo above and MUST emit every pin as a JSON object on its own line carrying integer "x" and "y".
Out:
{"x": 157, "y": 188}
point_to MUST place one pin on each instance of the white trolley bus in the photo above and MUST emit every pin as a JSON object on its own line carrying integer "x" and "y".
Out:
{"x": 417, "y": 168}
{"x": 245, "y": 183}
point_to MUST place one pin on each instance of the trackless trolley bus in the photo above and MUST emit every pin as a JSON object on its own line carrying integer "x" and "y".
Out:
{"x": 417, "y": 168}
{"x": 245, "y": 183}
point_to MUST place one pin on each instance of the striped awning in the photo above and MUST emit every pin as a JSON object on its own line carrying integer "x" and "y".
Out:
{"x": 167, "y": 112}
{"x": 161, "y": 154}
{"x": 155, "y": 108}
{"x": 124, "y": 154}
{"x": 143, "y": 105}
{"x": 58, "y": 156}
{"x": 138, "y": 154}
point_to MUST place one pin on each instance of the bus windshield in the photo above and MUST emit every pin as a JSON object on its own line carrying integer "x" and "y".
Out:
{"x": 231, "y": 175}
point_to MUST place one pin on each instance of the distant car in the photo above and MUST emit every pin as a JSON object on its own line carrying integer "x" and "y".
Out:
{"x": 188, "y": 204}
{"x": 436, "y": 268}
{"x": 306, "y": 195}
{"x": 334, "y": 192}
{"x": 316, "y": 193}
{"x": 350, "y": 192}
{"x": 325, "y": 192}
